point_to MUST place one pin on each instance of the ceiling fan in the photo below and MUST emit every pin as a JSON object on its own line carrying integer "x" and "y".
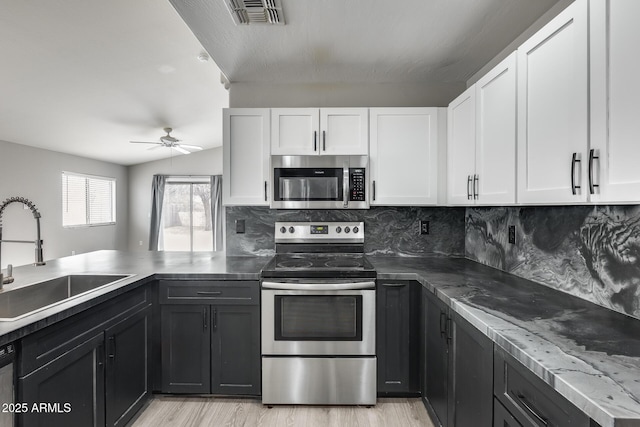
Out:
{"x": 170, "y": 142}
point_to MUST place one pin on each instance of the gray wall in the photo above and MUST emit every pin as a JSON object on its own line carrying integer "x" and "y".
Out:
{"x": 206, "y": 162}
{"x": 35, "y": 173}
{"x": 344, "y": 94}
{"x": 592, "y": 252}
{"x": 388, "y": 230}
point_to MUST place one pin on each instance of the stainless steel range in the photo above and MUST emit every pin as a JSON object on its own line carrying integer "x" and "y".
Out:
{"x": 318, "y": 317}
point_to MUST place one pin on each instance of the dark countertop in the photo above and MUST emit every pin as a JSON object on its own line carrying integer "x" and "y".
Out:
{"x": 145, "y": 266}
{"x": 589, "y": 354}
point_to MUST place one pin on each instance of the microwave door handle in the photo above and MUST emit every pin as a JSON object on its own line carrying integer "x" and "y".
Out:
{"x": 345, "y": 185}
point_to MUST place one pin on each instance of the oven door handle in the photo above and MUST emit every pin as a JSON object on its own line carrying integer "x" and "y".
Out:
{"x": 318, "y": 286}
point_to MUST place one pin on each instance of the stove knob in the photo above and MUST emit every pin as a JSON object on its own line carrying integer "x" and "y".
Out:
{"x": 338, "y": 229}
{"x": 347, "y": 229}
{"x": 292, "y": 230}
{"x": 356, "y": 229}
{"x": 283, "y": 230}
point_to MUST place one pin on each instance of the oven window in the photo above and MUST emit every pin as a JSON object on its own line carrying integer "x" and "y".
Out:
{"x": 318, "y": 318}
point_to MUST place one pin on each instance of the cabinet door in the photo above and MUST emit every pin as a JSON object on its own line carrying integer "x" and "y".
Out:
{"x": 615, "y": 93}
{"x": 496, "y": 135}
{"x": 295, "y": 131}
{"x": 472, "y": 365}
{"x": 235, "y": 350}
{"x": 397, "y": 338}
{"x": 245, "y": 156}
{"x": 186, "y": 343}
{"x": 552, "y": 110}
{"x": 75, "y": 378}
{"x": 437, "y": 359}
{"x": 461, "y": 148}
{"x": 127, "y": 374}
{"x": 344, "y": 131}
{"x": 404, "y": 155}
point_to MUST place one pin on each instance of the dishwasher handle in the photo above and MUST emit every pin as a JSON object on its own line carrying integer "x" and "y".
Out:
{"x": 318, "y": 286}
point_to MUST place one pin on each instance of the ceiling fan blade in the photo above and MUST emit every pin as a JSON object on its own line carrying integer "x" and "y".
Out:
{"x": 193, "y": 147}
{"x": 155, "y": 147}
{"x": 182, "y": 150}
{"x": 145, "y": 142}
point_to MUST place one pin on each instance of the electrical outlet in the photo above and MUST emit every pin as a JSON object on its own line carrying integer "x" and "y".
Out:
{"x": 424, "y": 227}
{"x": 239, "y": 226}
{"x": 512, "y": 234}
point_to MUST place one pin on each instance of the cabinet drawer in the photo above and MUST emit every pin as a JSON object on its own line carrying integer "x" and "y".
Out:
{"x": 49, "y": 343}
{"x": 209, "y": 292}
{"x": 529, "y": 399}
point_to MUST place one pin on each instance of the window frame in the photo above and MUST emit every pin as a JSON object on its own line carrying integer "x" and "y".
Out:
{"x": 114, "y": 185}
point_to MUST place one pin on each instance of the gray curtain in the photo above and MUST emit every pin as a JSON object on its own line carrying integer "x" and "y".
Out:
{"x": 216, "y": 211}
{"x": 157, "y": 195}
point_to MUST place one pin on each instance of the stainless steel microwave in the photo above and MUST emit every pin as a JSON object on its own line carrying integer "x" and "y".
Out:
{"x": 319, "y": 182}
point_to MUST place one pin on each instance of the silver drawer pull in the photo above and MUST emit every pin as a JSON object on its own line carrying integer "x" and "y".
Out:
{"x": 531, "y": 409}
{"x": 209, "y": 293}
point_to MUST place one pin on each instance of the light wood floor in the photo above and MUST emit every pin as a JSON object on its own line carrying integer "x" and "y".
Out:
{"x": 177, "y": 411}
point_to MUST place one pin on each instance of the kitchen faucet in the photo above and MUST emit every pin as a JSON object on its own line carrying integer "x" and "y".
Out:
{"x": 38, "y": 241}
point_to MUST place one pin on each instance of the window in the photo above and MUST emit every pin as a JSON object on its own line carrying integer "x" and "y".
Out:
{"x": 88, "y": 200}
{"x": 186, "y": 215}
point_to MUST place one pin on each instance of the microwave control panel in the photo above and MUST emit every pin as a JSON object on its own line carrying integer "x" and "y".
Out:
{"x": 357, "y": 184}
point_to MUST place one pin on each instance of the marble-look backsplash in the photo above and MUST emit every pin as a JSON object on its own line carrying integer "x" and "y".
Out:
{"x": 388, "y": 230}
{"x": 592, "y": 252}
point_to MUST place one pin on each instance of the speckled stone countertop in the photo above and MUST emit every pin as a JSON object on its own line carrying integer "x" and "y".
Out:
{"x": 144, "y": 266}
{"x": 589, "y": 354}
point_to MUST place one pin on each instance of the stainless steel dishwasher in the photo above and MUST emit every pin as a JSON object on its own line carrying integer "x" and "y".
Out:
{"x": 6, "y": 385}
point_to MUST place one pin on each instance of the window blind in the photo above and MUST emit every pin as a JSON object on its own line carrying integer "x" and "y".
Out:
{"x": 87, "y": 200}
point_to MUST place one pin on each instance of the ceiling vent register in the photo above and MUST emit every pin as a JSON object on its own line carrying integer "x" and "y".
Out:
{"x": 256, "y": 12}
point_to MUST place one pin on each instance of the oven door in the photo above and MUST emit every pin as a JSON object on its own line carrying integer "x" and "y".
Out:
{"x": 318, "y": 320}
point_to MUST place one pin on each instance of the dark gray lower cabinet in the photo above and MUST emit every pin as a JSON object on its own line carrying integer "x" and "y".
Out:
{"x": 127, "y": 379}
{"x": 235, "y": 350}
{"x": 73, "y": 383}
{"x": 186, "y": 341}
{"x": 90, "y": 369}
{"x": 210, "y": 337}
{"x": 457, "y": 368}
{"x": 531, "y": 401}
{"x": 397, "y": 338}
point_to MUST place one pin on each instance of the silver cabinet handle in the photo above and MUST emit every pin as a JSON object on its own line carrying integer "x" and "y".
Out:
{"x": 393, "y": 285}
{"x": 315, "y": 141}
{"x": 265, "y": 191}
{"x": 204, "y": 319}
{"x": 530, "y": 408}
{"x": 374, "y": 189}
{"x": 209, "y": 293}
{"x": 324, "y": 141}
{"x": 592, "y": 186}
{"x": 215, "y": 318}
{"x": 468, "y": 187}
{"x": 574, "y": 160}
{"x": 476, "y": 184}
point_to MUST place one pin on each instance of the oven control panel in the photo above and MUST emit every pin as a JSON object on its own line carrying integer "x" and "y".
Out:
{"x": 303, "y": 232}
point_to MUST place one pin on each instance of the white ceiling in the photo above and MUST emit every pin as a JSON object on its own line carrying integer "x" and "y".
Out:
{"x": 331, "y": 41}
{"x": 87, "y": 76}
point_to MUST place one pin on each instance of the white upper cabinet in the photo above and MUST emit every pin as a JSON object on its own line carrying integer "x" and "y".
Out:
{"x": 461, "y": 148}
{"x": 495, "y": 176}
{"x": 309, "y": 131}
{"x": 481, "y": 145}
{"x": 245, "y": 156}
{"x": 613, "y": 174}
{"x": 404, "y": 160}
{"x": 553, "y": 110}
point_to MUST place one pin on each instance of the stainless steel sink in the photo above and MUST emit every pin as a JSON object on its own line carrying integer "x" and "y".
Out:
{"x": 20, "y": 302}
